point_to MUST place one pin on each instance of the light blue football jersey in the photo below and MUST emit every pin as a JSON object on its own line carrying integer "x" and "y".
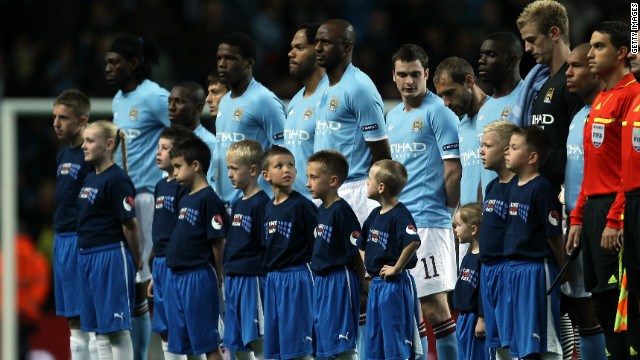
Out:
{"x": 142, "y": 113}
{"x": 574, "y": 169}
{"x": 421, "y": 139}
{"x": 257, "y": 114}
{"x": 349, "y": 114}
{"x": 470, "y": 159}
{"x": 299, "y": 132}
{"x": 494, "y": 109}
{"x": 210, "y": 139}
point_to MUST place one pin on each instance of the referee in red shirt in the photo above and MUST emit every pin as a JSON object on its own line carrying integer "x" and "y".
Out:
{"x": 598, "y": 213}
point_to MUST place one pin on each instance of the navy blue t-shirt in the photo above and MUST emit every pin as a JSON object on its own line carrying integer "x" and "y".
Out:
{"x": 167, "y": 194}
{"x": 69, "y": 177}
{"x": 384, "y": 236}
{"x": 336, "y": 235}
{"x": 494, "y": 220}
{"x": 201, "y": 219}
{"x": 466, "y": 294}
{"x": 104, "y": 202}
{"x": 243, "y": 251}
{"x": 534, "y": 215}
{"x": 288, "y": 229}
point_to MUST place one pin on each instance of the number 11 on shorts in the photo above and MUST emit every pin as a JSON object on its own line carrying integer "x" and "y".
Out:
{"x": 426, "y": 267}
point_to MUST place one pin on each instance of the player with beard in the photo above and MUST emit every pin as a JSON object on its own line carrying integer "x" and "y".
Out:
{"x": 300, "y": 125}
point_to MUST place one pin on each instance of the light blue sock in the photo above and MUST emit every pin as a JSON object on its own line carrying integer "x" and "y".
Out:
{"x": 360, "y": 343}
{"x": 593, "y": 347}
{"x": 425, "y": 347}
{"x": 140, "y": 332}
{"x": 447, "y": 347}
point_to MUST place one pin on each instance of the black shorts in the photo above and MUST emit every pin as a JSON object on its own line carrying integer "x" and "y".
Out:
{"x": 631, "y": 253}
{"x": 601, "y": 269}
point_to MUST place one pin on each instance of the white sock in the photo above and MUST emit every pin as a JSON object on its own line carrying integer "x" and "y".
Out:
{"x": 245, "y": 355}
{"x": 258, "y": 348}
{"x": 121, "y": 345}
{"x": 93, "y": 347}
{"x": 550, "y": 356}
{"x": 103, "y": 343}
{"x": 171, "y": 356}
{"x": 79, "y": 343}
{"x": 197, "y": 357}
{"x": 348, "y": 355}
{"x": 503, "y": 353}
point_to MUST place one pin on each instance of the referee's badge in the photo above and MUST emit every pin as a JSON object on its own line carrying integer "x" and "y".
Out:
{"x": 635, "y": 137}
{"x": 597, "y": 135}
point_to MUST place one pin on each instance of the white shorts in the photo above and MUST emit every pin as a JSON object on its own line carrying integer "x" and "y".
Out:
{"x": 355, "y": 194}
{"x": 145, "y": 206}
{"x": 435, "y": 271}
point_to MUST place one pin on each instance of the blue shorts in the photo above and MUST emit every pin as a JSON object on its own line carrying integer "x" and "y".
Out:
{"x": 498, "y": 321}
{"x": 390, "y": 318}
{"x": 536, "y": 321}
{"x": 469, "y": 346}
{"x": 336, "y": 304}
{"x": 288, "y": 313}
{"x": 244, "y": 315}
{"x": 66, "y": 274}
{"x": 192, "y": 297}
{"x": 107, "y": 291}
{"x": 159, "y": 322}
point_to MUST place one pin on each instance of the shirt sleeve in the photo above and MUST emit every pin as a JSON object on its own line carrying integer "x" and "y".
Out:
{"x": 406, "y": 231}
{"x": 549, "y": 210}
{"x": 160, "y": 108}
{"x": 362, "y": 239}
{"x": 366, "y": 104}
{"x": 445, "y": 130}
{"x": 121, "y": 194}
{"x": 350, "y": 229}
{"x": 272, "y": 115}
{"x": 215, "y": 220}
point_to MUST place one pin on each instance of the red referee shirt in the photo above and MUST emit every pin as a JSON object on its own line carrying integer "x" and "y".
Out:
{"x": 631, "y": 147}
{"x": 602, "y": 149}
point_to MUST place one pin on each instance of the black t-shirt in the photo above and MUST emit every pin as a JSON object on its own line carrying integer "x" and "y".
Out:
{"x": 552, "y": 110}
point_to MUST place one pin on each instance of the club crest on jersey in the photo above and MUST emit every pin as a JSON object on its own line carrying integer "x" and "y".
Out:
{"x": 89, "y": 194}
{"x": 216, "y": 222}
{"x": 133, "y": 113}
{"x": 324, "y": 232}
{"x": 354, "y": 237}
{"x": 549, "y": 96}
{"x": 417, "y": 126}
{"x": 505, "y": 112}
{"x": 188, "y": 214}
{"x": 333, "y": 104}
{"x": 307, "y": 114}
{"x": 411, "y": 230}
{"x": 127, "y": 203}
{"x": 597, "y": 134}
{"x": 69, "y": 169}
{"x": 554, "y": 218}
{"x": 237, "y": 114}
{"x": 379, "y": 237}
{"x": 635, "y": 139}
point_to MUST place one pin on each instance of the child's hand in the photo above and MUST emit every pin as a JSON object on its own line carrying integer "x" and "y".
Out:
{"x": 150, "y": 289}
{"x": 388, "y": 271}
{"x": 480, "y": 333}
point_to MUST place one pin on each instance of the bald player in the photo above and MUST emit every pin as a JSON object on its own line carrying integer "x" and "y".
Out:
{"x": 186, "y": 102}
{"x": 499, "y": 66}
{"x": 581, "y": 82}
{"x": 300, "y": 124}
{"x": 350, "y": 115}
